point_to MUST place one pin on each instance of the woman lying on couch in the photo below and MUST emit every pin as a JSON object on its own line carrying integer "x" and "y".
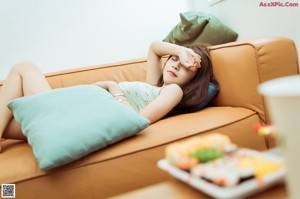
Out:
{"x": 185, "y": 77}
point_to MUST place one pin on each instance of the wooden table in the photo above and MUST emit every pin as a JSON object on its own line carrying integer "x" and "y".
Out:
{"x": 175, "y": 189}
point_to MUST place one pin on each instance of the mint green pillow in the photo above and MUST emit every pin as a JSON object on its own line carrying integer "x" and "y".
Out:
{"x": 200, "y": 27}
{"x": 63, "y": 125}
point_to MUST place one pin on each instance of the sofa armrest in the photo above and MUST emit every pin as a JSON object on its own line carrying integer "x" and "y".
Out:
{"x": 240, "y": 67}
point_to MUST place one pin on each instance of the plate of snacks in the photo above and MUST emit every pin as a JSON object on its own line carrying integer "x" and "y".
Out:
{"x": 217, "y": 167}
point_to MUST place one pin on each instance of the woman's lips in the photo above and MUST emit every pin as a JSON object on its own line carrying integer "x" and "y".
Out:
{"x": 172, "y": 73}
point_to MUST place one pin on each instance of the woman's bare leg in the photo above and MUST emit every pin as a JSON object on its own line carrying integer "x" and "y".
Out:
{"x": 13, "y": 131}
{"x": 24, "y": 79}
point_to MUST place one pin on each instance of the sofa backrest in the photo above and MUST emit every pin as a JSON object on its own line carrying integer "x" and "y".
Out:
{"x": 240, "y": 67}
{"x": 133, "y": 70}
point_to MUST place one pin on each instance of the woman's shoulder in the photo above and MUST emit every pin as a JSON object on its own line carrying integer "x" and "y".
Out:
{"x": 172, "y": 89}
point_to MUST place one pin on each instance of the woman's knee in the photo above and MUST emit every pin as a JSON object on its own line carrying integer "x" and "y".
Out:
{"x": 24, "y": 66}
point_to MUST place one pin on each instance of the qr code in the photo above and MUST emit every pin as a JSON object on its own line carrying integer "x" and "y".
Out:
{"x": 8, "y": 190}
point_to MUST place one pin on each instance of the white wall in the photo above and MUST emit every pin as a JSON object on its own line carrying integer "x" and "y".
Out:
{"x": 250, "y": 20}
{"x": 61, "y": 34}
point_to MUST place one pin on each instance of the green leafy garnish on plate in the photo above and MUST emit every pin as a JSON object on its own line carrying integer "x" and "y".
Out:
{"x": 207, "y": 154}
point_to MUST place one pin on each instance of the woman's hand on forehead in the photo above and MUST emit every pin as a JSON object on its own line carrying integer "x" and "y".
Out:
{"x": 197, "y": 62}
{"x": 190, "y": 59}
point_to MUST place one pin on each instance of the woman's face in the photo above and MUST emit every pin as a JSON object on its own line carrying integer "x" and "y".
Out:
{"x": 175, "y": 73}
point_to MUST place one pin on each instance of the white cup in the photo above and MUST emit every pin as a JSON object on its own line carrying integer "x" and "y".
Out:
{"x": 283, "y": 102}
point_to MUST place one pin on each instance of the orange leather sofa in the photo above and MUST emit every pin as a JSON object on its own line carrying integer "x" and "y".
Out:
{"x": 239, "y": 67}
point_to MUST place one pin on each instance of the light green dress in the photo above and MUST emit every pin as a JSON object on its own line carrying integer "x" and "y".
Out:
{"x": 139, "y": 94}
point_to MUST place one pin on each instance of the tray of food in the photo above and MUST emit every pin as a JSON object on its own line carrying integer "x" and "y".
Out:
{"x": 217, "y": 167}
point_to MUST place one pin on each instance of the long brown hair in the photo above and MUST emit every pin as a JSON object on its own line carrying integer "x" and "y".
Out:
{"x": 196, "y": 91}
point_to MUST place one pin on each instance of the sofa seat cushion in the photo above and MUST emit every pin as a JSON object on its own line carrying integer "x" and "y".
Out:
{"x": 16, "y": 153}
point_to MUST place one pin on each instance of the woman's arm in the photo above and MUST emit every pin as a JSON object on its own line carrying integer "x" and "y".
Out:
{"x": 111, "y": 86}
{"x": 163, "y": 104}
{"x": 158, "y": 49}
{"x": 114, "y": 89}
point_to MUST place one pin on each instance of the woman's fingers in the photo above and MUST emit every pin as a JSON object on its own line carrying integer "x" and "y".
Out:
{"x": 196, "y": 62}
{"x": 193, "y": 68}
{"x": 190, "y": 59}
